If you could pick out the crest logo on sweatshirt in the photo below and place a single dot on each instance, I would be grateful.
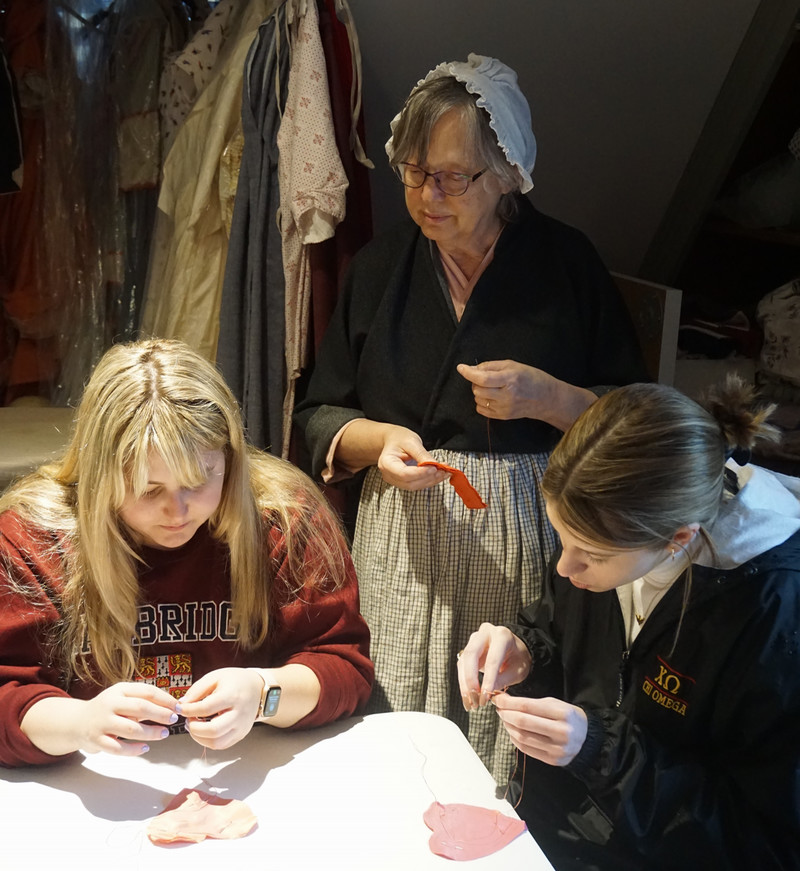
(668, 688)
(170, 672)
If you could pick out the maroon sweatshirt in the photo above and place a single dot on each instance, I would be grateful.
(184, 627)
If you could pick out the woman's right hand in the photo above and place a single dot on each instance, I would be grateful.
(394, 449)
(500, 655)
(121, 720)
(402, 450)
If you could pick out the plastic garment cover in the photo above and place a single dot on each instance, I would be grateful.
(27, 328)
(82, 249)
(74, 241)
(137, 37)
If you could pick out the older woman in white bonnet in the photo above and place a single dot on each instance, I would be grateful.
(471, 335)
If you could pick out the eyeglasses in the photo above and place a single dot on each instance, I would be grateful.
(454, 184)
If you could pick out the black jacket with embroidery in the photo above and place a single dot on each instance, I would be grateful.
(692, 758)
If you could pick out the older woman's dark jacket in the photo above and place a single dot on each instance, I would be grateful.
(692, 759)
(391, 350)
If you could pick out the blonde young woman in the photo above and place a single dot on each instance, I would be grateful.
(655, 689)
(162, 526)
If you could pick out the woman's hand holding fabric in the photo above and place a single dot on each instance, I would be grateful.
(546, 729)
(121, 720)
(221, 707)
(395, 450)
(502, 658)
(507, 390)
(402, 450)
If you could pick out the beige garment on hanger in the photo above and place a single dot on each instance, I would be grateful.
(190, 244)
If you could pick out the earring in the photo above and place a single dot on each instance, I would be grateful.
(672, 553)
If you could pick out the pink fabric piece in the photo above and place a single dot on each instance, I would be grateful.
(463, 831)
(192, 816)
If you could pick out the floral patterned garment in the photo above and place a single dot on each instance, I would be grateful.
(313, 183)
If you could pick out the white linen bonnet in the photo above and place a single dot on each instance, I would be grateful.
(508, 110)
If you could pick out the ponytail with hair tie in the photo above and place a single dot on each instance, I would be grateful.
(740, 456)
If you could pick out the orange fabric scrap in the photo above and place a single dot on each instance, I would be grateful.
(192, 816)
(469, 495)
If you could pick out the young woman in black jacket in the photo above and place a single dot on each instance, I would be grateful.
(653, 694)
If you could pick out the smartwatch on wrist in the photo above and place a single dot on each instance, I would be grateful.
(268, 703)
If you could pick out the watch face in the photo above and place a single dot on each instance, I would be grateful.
(271, 703)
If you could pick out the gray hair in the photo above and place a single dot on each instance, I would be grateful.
(426, 106)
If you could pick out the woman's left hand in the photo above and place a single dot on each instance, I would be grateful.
(221, 707)
(546, 729)
(507, 390)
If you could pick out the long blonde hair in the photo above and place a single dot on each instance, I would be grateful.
(159, 395)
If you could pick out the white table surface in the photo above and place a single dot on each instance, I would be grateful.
(348, 796)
